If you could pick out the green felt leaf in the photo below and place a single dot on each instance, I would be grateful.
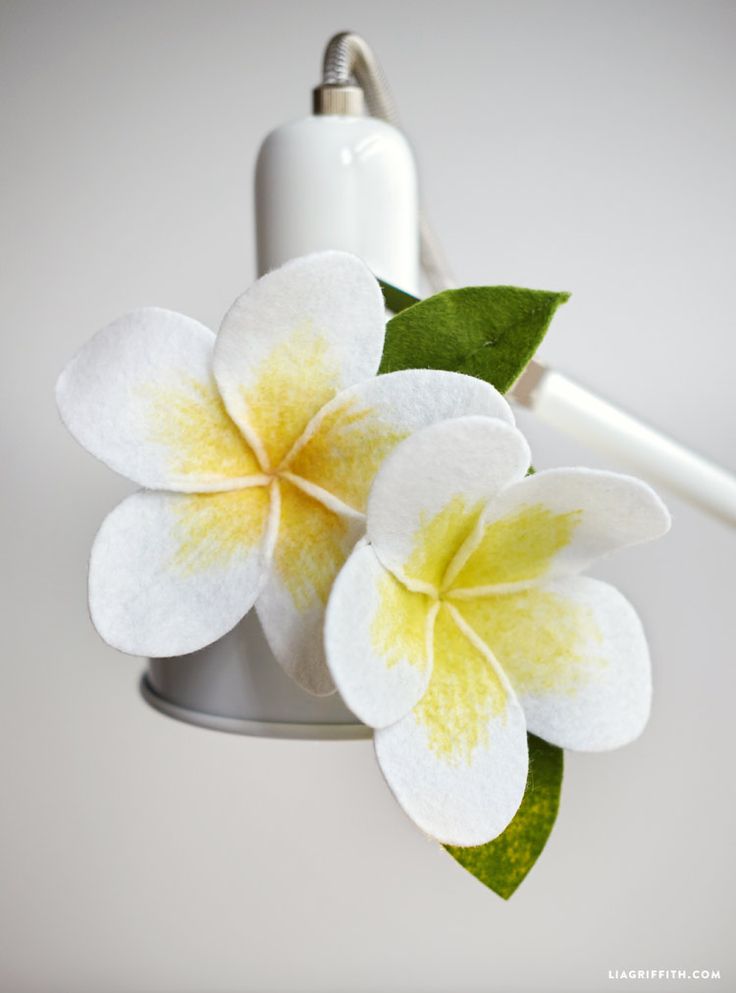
(396, 300)
(486, 331)
(503, 863)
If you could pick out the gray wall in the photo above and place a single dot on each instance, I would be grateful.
(581, 146)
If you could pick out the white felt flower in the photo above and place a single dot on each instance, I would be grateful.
(256, 450)
(460, 622)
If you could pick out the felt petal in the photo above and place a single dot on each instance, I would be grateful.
(292, 341)
(170, 573)
(556, 523)
(576, 655)
(378, 640)
(312, 545)
(429, 493)
(457, 763)
(141, 396)
(347, 441)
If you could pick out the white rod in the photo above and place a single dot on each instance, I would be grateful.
(571, 408)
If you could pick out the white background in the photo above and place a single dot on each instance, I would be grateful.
(581, 146)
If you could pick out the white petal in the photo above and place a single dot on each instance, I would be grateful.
(458, 762)
(344, 445)
(313, 543)
(378, 640)
(575, 653)
(556, 523)
(431, 490)
(171, 573)
(292, 341)
(141, 396)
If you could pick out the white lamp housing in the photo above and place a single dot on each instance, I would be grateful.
(332, 181)
(346, 181)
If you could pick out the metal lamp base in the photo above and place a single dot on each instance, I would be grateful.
(236, 685)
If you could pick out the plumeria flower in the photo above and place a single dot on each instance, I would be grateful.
(461, 621)
(256, 451)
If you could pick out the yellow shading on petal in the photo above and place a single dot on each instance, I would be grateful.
(295, 381)
(463, 697)
(191, 421)
(438, 539)
(346, 451)
(399, 628)
(518, 547)
(544, 642)
(312, 545)
(214, 528)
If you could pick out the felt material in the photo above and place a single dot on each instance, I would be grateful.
(292, 341)
(430, 491)
(487, 331)
(395, 299)
(334, 463)
(141, 397)
(457, 764)
(566, 658)
(348, 439)
(170, 573)
(575, 653)
(306, 442)
(378, 639)
(313, 543)
(503, 864)
(556, 522)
